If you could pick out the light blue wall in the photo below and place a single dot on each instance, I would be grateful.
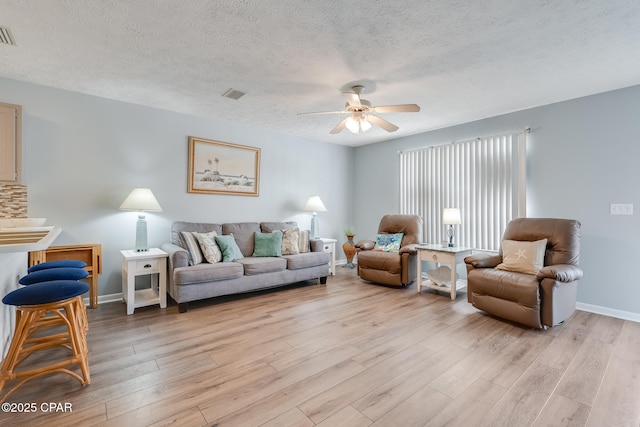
(582, 156)
(84, 154)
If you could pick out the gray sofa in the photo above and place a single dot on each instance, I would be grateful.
(194, 282)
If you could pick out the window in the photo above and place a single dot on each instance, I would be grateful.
(484, 178)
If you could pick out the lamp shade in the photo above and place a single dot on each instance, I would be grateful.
(141, 199)
(451, 216)
(314, 204)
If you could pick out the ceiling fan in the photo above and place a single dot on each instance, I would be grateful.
(361, 113)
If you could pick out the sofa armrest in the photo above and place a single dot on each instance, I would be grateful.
(483, 260)
(316, 245)
(178, 257)
(409, 249)
(565, 273)
(365, 245)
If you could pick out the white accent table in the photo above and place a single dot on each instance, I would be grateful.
(152, 262)
(442, 255)
(329, 245)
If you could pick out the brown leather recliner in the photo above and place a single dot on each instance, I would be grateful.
(392, 268)
(544, 299)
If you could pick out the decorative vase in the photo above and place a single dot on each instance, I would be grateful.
(349, 250)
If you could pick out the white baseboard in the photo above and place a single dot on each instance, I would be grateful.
(102, 299)
(611, 312)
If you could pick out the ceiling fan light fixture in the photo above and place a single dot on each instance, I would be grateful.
(352, 125)
(365, 124)
(362, 115)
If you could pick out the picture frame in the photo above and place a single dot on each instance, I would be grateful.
(217, 167)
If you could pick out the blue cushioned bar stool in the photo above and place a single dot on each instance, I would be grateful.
(63, 263)
(62, 273)
(34, 304)
(59, 273)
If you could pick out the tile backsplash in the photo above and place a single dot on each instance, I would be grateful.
(13, 201)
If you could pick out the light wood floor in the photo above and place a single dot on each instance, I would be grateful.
(345, 354)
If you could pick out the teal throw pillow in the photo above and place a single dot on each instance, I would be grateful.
(228, 247)
(268, 244)
(388, 242)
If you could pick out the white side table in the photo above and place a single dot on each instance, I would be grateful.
(329, 245)
(442, 255)
(152, 262)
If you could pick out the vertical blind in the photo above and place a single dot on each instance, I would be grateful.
(484, 178)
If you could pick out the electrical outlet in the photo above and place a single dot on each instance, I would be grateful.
(621, 209)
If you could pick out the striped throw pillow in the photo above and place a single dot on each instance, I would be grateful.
(303, 243)
(191, 244)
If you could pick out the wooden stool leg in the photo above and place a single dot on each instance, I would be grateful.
(72, 314)
(78, 328)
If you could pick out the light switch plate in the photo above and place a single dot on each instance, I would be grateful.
(621, 209)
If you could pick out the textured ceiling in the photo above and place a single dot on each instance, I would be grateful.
(459, 60)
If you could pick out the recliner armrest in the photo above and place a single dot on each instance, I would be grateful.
(565, 273)
(483, 260)
(409, 249)
(365, 245)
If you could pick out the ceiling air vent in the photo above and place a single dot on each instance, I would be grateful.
(6, 37)
(233, 94)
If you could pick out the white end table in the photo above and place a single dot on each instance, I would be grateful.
(152, 262)
(442, 255)
(329, 245)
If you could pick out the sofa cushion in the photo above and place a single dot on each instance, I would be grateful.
(207, 273)
(260, 265)
(305, 260)
(229, 248)
(290, 241)
(268, 244)
(243, 232)
(268, 227)
(209, 247)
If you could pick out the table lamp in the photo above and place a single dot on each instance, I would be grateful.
(315, 205)
(451, 217)
(142, 200)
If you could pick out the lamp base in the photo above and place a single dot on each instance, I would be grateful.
(141, 234)
(315, 233)
(451, 233)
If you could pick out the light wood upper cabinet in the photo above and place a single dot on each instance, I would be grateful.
(10, 143)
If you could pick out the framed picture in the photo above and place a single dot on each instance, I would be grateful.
(217, 167)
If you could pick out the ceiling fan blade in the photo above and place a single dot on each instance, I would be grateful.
(340, 126)
(352, 98)
(400, 108)
(324, 112)
(388, 126)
